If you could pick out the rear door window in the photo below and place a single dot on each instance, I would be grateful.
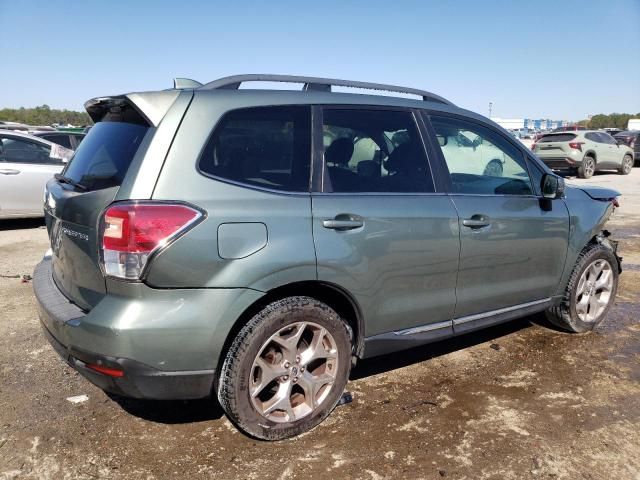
(60, 139)
(606, 138)
(373, 151)
(268, 147)
(18, 150)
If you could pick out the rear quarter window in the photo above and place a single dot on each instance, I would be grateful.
(563, 137)
(268, 147)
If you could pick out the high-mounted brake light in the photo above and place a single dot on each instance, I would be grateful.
(576, 145)
(131, 232)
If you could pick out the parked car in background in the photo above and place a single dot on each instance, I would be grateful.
(14, 126)
(569, 128)
(26, 164)
(631, 138)
(633, 124)
(40, 128)
(584, 152)
(200, 246)
(612, 131)
(70, 140)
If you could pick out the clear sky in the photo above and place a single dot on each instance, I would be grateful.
(559, 59)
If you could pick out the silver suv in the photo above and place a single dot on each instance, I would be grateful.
(584, 152)
(251, 245)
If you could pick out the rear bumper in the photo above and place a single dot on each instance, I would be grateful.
(139, 380)
(560, 163)
(137, 335)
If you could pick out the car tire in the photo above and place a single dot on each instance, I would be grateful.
(270, 385)
(587, 298)
(627, 165)
(587, 168)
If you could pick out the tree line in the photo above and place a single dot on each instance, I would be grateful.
(44, 115)
(613, 120)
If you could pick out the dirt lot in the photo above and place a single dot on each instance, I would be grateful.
(517, 401)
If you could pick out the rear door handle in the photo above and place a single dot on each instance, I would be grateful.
(476, 222)
(343, 222)
(9, 171)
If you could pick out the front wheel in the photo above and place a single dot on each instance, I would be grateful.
(590, 292)
(286, 369)
(588, 167)
(627, 165)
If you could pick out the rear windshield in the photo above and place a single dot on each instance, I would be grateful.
(104, 156)
(561, 137)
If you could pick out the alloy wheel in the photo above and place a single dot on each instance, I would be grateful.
(588, 166)
(294, 372)
(594, 289)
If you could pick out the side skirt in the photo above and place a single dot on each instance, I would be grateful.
(413, 337)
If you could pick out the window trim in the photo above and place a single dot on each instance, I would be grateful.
(250, 185)
(320, 169)
(526, 157)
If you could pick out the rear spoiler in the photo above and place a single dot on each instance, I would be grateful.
(153, 106)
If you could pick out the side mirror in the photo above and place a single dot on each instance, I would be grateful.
(552, 186)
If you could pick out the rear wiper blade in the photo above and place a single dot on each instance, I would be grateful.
(73, 183)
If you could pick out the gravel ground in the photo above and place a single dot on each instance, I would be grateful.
(521, 400)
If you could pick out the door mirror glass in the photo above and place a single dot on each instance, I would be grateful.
(552, 186)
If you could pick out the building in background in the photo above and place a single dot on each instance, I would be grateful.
(529, 123)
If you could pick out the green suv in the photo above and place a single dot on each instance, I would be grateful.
(584, 152)
(251, 245)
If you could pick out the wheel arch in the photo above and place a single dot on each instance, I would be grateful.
(592, 154)
(331, 294)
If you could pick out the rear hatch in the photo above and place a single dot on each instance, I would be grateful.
(75, 199)
(554, 144)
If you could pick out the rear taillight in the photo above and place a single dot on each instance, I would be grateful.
(132, 232)
(110, 372)
(576, 145)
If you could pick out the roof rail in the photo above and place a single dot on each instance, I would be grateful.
(318, 84)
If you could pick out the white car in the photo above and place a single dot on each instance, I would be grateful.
(26, 164)
(467, 152)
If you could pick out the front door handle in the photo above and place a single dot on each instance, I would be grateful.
(343, 222)
(9, 171)
(476, 221)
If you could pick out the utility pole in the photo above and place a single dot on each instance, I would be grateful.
(490, 107)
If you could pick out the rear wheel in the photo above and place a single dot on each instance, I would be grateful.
(627, 165)
(588, 167)
(590, 292)
(286, 370)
